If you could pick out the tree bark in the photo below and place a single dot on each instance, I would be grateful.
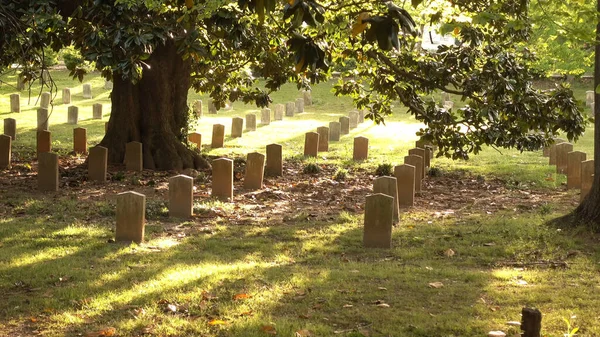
(154, 112)
(589, 210)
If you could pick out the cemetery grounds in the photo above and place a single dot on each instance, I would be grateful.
(288, 260)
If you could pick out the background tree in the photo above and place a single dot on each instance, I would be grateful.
(154, 51)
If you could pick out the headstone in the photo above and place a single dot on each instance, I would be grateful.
(251, 122)
(10, 128)
(424, 155)
(21, 82)
(353, 119)
(307, 97)
(255, 171)
(323, 132)
(181, 196)
(87, 91)
(361, 148)
(44, 142)
(574, 160)
(405, 176)
(423, 144)
(196, 138)
(218, 136)
(311, 144)
(5, 149)
(97, 111)
(237, 127)
(15, 103)
(417, 162)
(448, 105)
(47, 172)
(274, 160)
(133, 157)
(335, 128)
(45, 100)
(552, 154)
(300, 105)
(587, 177)
(265, 116)
(108, 85)
(42, 119)
(562, 151)
(278, 113)
(212, 109)
(379, 213)
(547, 149)
(361, 116)
(222, 178)
(45, 76)
(97, 163)
(198, 108)
(389, 187)
(345, 125)
(73, 115)
(80, 140)
(131, 217)
(66, 96)
(590, 95)
(290, 109)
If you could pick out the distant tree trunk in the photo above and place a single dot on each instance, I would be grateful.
(154, 112)
(589, 210)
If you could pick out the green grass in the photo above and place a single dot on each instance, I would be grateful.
(302, 267)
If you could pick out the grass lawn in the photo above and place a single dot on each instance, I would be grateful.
(288, 260)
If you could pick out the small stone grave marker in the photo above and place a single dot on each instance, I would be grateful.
(389, 187)
(212, 109)
(424, 155)
(265, 116)
(300, 105)
(196, 138)
(255, 170)
(131, 217)
(274, 166)
(335, 129)
(361, 116)
(353, 119)
(405, 176)
(552, 154)
(311, 144)
(361, 148)
(218, 136)
(237, 127)
(307, 97)
(562, 151)
(44, 141)
(587, 178)
(87, 91)
(80, 140)
(290, 109)
(5, 151)
(345, 125)
(222, 179)
(198, 108)
(97, 111)
(47, 172)
(278, 113)
(73, 115)
(66, 96)
(45, 100)
(133, 157)
(42, 119)
(15, 103)
(108, 85)
(417, 162)
(181, 196)
(251, 122)
(10, 128)
(379, 213)
(97, 163)
(590, 96)
(323, 132)
(574, 160)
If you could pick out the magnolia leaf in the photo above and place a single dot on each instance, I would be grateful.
(598, 89)
(359, 26)
(217, 322)
(189, 4)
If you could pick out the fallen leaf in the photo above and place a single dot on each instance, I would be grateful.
(247, 313)
(383, 305)
(269, 329)
(347, 306)
(496, 334)
(381, 288)
(241, 296)
(33, 319)
(449, 253)
(514, 323)
(217, 322)
(436, 285)
(172, 307)
(107, 332)
(303, 333)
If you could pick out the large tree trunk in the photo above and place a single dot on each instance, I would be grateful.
(589, 210)
(154, 112)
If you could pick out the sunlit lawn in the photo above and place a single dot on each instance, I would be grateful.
(60, 276)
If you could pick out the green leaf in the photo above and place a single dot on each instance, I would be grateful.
(598, 89)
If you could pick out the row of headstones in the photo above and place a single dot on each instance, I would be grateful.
(45, 98)
(315, 142)
(43, 115)
(390, 194)
(579, 171)
(290, 108)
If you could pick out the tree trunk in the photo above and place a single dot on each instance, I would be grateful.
(154, 112)
(589, 210)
